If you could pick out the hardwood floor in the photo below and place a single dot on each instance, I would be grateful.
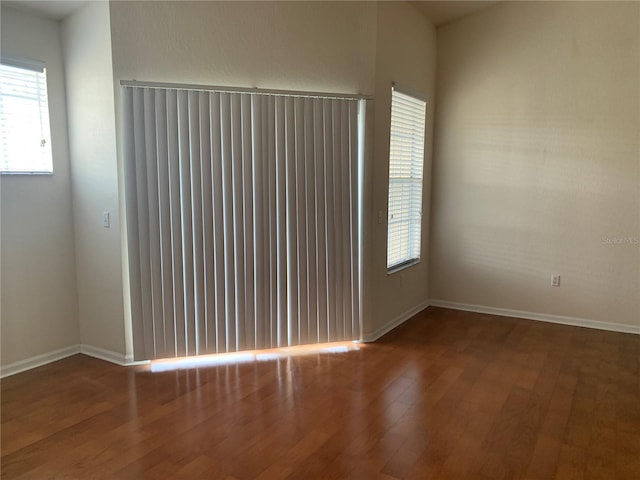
(449, 394)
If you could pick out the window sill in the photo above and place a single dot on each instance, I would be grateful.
(402, 266)
(38, 174)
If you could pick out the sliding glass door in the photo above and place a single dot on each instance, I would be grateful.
(242, 219)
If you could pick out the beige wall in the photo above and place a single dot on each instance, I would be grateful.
(537, 160)
(406, 54)
(319, 46)
(38, 299)
(89, 76)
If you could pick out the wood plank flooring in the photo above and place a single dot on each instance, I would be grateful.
(448, 395)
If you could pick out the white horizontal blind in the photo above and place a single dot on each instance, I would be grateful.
(406, 158)
(242, 219)
(25, 138)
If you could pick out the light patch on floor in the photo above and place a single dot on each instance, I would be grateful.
(200, 361)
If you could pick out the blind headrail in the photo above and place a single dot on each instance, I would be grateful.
(263, 91)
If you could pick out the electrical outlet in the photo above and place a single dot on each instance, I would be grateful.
(555, 280)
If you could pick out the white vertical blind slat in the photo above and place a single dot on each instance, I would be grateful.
(197, 333)
(186, 325)
(342, 144)
(331, 217)
(247, 190)
(259, 240)
(167, 343)
(272, 213)
(302, 284)
(218, 225)
(153, 217)
(310, 213)
(146, 294)
(133, 236)
(207, 327)
(240, 218)
(291, 224)
(353, 200)
(339, 228)
(320, 229)
(281, 323)
(268, 281)
(176, 222)
(228, 285)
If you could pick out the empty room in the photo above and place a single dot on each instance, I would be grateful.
(320, 240)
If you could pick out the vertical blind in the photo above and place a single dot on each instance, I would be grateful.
(25, 138)
(406, 158)
(242, 220)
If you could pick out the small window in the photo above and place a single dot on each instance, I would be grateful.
(406, 158)
(25, 136)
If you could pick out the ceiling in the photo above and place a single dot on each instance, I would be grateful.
(443, 12)
(439, 13)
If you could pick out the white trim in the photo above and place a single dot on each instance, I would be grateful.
(542, 317)
(400, 319)
(110, 356)
(54, 356)
(103, 354)
(38, 361)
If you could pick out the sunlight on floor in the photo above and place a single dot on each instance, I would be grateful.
(199, 361)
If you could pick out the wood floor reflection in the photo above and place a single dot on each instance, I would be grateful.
(448, 394)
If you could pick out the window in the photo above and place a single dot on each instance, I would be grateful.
(406, 158)
(25, 138)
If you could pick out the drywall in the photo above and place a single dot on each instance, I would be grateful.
(86, 38)
(537, 160)
(317, 46)
(406, 54)
(38, 298)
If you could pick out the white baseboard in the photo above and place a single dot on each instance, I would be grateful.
(45, 358)
(38, 361)
(400, 319)
(543, 317)
(107, 355)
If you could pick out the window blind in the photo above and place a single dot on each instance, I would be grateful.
(25, 138)
(242, 220)
(406, 158)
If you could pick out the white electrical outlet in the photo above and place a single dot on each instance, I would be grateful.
(555, 280)
(106, 221)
